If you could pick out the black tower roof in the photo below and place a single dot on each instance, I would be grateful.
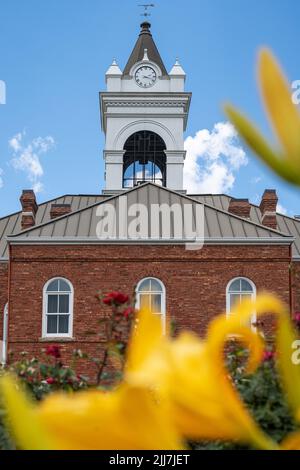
(145, 41)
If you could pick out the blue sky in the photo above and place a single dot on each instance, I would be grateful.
(53, 58)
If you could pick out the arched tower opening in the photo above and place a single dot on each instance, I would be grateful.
(144, 159)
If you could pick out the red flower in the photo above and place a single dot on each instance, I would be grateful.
(50, 381)
(53, 351)
(297, 317)
(128, 312)
(268, 356)
(115, 298)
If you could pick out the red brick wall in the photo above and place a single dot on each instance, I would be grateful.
(3, 292)
(195, 283)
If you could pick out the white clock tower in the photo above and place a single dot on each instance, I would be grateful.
(144, 115)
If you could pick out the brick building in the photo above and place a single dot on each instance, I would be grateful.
(196, 254)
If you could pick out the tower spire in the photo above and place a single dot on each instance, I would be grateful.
(145, 41)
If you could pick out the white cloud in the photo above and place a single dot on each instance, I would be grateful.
(212, 159)
(26, 157)
(38, 187)
(281, 209)
(256, 199)
(1, 179)
(256, 179)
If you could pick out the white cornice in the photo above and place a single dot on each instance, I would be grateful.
(169, 241)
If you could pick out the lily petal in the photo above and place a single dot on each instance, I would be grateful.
(147, 335)
(128, 418)
(290, 372)
(292, 442)
(283, 114)
(206, 404)
(219, 332)
(23, 422)
(92, 420)
(260, 146)
(146, 358)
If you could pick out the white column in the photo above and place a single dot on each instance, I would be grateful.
(113, 169)
(175, 162)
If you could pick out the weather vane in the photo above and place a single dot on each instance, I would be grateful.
(147, 7)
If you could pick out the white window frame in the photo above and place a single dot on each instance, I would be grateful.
(162, 314)
(228, 310)
(45, 309)
(5, 334)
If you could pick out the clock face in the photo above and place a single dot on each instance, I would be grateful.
(145, 76)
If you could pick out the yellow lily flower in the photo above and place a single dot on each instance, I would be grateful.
(191, 374)
(289, 370)
(283, 116)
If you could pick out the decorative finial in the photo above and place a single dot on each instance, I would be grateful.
(146, 58)
(147, 6)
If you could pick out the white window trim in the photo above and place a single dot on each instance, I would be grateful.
(45, 310)
(5, 334)
(228, 312)
(163, 299)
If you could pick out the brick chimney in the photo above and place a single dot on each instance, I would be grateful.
(58, 210)
(29, 209)
(240, 207)
(268, 207)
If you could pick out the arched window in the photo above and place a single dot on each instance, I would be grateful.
(58, 308)
(151, 293)
(144, 159)
(240, 289)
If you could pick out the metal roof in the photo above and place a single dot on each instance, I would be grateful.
(86, 224)
(145, 41)
(11, 224)
(285, 223)
(219, 224)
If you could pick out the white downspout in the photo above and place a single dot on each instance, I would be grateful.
(5, 332)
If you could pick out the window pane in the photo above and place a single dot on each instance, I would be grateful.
(52, 324)
(145, 286)
(246, 286)
(144, 301)
(64, 286)
(63, 324)
(53, 286)
(155, 286)
(156, 303)
(235, 286)
(52, 304)
(64, 303)
(235, 300)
